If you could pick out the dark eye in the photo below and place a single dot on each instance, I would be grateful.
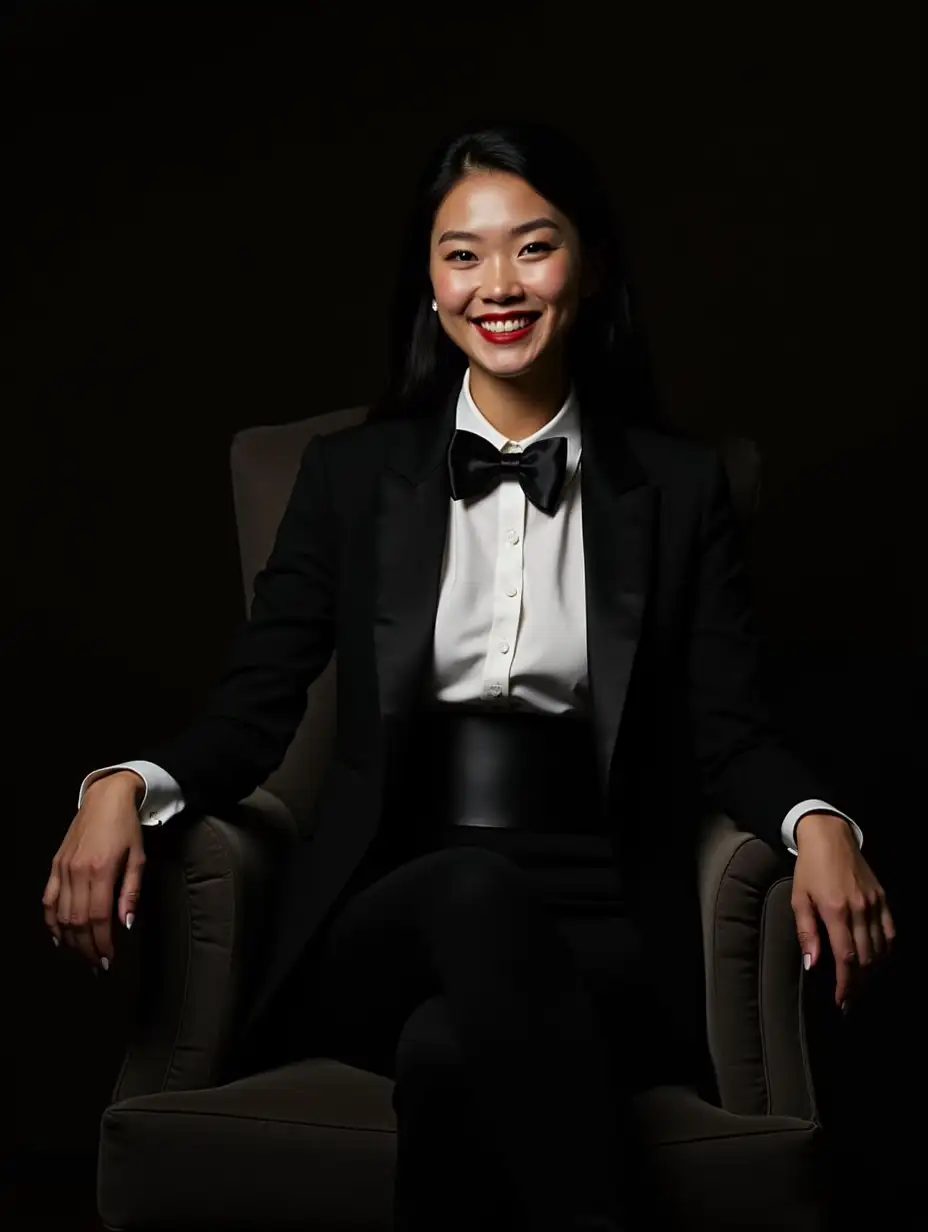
(543, 245)
(458, 252)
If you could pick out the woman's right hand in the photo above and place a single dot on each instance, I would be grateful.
(102, 845)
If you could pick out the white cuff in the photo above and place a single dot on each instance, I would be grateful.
(791, 820)
(163, 796)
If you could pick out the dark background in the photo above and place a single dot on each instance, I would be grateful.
(208, 202)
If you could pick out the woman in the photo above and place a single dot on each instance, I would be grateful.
(545, 658)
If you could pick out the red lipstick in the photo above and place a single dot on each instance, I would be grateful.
(501, 337)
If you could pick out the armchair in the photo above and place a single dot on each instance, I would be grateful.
(313, 1143)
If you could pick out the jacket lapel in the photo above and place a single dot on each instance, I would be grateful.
(411, 525)
(619, 527)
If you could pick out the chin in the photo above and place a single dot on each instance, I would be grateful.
(506, 370)
(539, 361)
(517, 371)
(504, 362)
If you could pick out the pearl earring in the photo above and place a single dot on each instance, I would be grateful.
(434, 305)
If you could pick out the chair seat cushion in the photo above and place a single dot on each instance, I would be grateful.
(313, 1144)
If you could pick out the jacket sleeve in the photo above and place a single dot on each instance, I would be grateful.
(745, 769)
(252, 713)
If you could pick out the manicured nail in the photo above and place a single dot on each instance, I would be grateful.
(56, 941)
(130, 920)
(807, 961)
(105, 964)
(844, 1007)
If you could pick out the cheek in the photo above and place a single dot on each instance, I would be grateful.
(451, 292)
(553, 284)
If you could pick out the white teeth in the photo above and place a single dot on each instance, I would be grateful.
(506, 327)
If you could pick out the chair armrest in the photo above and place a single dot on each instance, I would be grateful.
(202, 925)
(754, 985)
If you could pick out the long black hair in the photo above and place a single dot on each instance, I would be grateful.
(606, 356)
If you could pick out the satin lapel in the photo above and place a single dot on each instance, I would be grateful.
(619, 526)
(411, 526)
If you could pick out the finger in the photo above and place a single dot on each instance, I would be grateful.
(80, 917)
(887, 925)
(131, 885)
(875, 928)
(100, 915)
(842, 946)
(64, 905)
(860, 927)
(806, 930)
(50, 903)
(83, 940)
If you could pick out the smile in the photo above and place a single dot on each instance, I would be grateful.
(508, 329)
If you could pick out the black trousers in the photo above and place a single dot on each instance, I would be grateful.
(514, 1034)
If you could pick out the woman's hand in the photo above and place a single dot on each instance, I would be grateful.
(834, 881)
(103, 842)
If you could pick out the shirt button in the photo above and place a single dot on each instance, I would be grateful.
(512, 536)
(494, 690)
(511, 591)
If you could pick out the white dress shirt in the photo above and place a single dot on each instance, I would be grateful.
(510, 628)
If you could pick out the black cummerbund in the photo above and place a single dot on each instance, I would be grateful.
(517, 771)
(520, 783)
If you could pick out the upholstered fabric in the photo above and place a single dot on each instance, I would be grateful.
(313, 1145)
(264, 463)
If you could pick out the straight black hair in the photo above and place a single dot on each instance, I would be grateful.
(606, 356)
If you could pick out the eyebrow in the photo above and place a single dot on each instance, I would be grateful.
(522, 229)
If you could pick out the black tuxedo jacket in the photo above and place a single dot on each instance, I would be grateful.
(673, 656)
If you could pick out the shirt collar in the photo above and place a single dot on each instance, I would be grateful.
(565, 423)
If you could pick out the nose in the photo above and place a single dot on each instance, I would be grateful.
(500, 285)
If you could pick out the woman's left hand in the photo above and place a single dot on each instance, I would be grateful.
(833, 880)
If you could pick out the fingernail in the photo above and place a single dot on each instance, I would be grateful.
(806, 961)
(844, 1007)
(56, 942)
(130, 920)
(105, 964)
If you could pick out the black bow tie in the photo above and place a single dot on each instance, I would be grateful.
(476, 466)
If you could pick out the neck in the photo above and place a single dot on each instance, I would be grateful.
(519, 406)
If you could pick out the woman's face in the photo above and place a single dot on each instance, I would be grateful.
(506, 273)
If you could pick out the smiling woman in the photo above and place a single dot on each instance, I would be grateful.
(547, 667)
(510, 299)
(512, 268)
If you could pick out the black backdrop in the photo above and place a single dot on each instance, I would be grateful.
(207, 208)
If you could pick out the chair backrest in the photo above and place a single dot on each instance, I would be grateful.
(264, 462)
